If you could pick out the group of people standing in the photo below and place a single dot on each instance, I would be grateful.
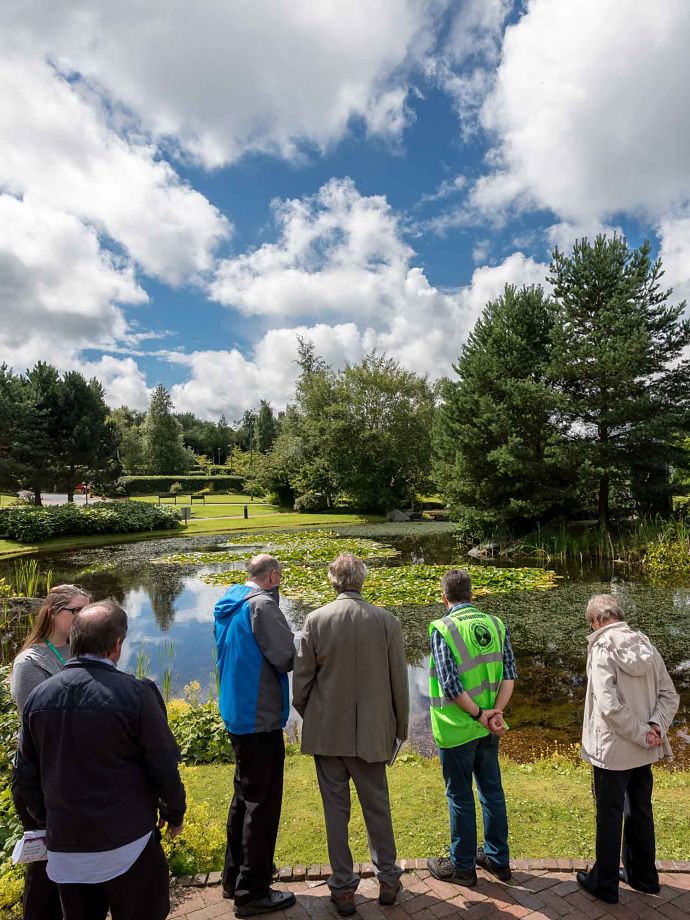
(97, 765)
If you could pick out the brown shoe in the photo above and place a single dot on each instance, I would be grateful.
(344, 902)
(388, 893)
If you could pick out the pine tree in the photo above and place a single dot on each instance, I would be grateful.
(617, 364)
(164, 450)
(496, 446)
(87, 439)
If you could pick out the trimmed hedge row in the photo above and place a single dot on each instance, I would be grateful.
(32, 525)
(147, 485)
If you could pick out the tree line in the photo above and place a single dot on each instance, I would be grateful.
(566, 401)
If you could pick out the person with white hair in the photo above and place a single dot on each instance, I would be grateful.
(350, 687)
(629, 705)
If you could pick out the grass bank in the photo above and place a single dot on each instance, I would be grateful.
(550, 807)
(272, 520)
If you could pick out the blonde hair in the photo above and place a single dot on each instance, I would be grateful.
(57, 598)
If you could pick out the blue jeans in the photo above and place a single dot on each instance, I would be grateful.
(478, 758)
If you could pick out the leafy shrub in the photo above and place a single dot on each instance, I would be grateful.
(175, 488)
(199, 732)
(201, 845)
(11, 879)
(32, 525)
(148, 485)
(310, 502)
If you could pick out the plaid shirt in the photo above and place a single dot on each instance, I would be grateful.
(447, 668)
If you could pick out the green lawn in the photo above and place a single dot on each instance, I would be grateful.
(269, 519)
(550, 809)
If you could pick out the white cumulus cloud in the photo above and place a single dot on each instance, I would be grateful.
(588, 111)
(222, 79)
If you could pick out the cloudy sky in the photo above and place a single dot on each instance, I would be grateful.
(186, 187)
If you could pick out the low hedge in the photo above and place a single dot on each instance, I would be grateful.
(148, 485)
(28, 524)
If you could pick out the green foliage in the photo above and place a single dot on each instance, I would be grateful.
(176, 488)
(362, 432)
(199, 732)
(265, 428)
(316, 546)
(127, 424)
(147, 485)
(310, 502)
(618, 368)
(496, 454)
(162, 442)
(10, 826)
(29, 581)
(33, 525)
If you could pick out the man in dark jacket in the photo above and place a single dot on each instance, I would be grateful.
(255, 651)
(97, 767)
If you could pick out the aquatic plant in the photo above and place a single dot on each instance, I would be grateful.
(290, 547)
(28, 581)
(403, 585)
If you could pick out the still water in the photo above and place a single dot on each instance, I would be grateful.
(171, 625)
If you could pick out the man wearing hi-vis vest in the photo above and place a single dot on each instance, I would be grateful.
(471, 676)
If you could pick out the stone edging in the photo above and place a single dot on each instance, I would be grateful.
(366, 870)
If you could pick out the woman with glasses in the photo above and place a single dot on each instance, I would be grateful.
(45, 653)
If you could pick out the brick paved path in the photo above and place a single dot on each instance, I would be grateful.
(537, 894)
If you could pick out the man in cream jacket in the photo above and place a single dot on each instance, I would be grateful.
(629, 706)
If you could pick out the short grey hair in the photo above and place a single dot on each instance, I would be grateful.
(347, 573)
(262, 565)
(457, 585)
(604, 607)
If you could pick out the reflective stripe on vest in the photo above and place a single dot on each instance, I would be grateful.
(481, 673)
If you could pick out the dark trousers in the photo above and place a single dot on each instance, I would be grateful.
(478, 759)
(41, 899)
(254, 814)
(140, 893)
(624, 813)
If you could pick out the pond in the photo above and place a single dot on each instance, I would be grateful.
(170, 607)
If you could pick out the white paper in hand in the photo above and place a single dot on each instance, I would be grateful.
(31, 848)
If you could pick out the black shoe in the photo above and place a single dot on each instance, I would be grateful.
(229, 887)
(274, 900)
(444, 870)
(344, 902)
(583, 882)
(645, 889)
(388, 893)
(502, 873)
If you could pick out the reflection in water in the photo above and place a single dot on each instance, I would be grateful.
(171, 604)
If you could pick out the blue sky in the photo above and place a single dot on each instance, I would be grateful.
(186, 189)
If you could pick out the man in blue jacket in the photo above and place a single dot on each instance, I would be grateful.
(255, 651)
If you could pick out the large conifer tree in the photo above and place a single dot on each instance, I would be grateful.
(617, 365)
(496, 443)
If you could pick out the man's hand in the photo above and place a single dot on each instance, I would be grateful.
(496, 724)
(172, 831)
(654, 738)
(485, 717)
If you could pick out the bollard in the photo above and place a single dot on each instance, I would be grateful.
(246, 512)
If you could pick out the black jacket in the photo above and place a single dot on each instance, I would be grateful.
(97, 761)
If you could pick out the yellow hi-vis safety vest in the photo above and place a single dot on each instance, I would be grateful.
(476, 640)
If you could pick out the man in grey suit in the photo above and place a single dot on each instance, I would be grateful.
(350, 687)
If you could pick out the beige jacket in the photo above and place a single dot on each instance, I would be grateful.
(627, 688)
(350, 680)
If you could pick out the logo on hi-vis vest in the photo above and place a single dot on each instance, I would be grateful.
(482, 636)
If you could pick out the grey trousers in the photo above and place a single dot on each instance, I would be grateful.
(370, 781)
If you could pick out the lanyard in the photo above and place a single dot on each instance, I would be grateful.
(55, 652)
